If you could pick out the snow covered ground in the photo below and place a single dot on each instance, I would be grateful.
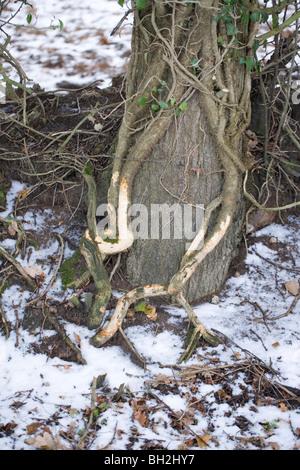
(39, 395)
(83, 51)
(35, 388)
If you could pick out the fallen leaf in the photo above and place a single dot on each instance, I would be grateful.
(140, 412)
(77, 339)
(203, 441)
(292, 287)
(12, 228)
(283, 407)
(34, 271)
(46, 442)
(274, 445)
(33, 427)
(275, 345)
(24, 193)
(151, 313)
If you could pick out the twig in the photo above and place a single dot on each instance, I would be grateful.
(54, 275)
(4, 322)
(60, 330)
(254, 332)
(121, 21)
(277, 265)
(289, 310)
(264, 312)
(18, 267)
(91, 417)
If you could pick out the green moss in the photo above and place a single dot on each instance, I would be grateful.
(88, 169)
(33, 242)
(4, 286)
(3, 189)
(69, 269)
(2, 200)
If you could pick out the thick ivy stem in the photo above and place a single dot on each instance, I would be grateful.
(93, 259)
(121, 310)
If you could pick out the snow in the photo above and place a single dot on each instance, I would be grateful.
(45, 386)
(82, 52)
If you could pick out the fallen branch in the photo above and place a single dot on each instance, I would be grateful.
(18, 267)
(60, 330)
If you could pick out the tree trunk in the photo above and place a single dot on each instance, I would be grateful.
(186, 165)
(180, 143)
(183, 169)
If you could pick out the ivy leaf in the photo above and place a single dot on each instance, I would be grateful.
(142, 101)
(61, 25)
(141, 4)
(155, 107)
(255, 45)
(183, 106)
(255, 16)
(163, 104)
(29, 18)
(194, 63)
(121, 2)
(274, 20)
(264, 17)
(231, 29)
(245, 17)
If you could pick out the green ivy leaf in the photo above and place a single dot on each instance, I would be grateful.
(29, 18)
(255, 45)
(121, 2)
(142, 101)
(61, 25)
(264, 16)
(183, 106)
(255, 15)
(231, 29)
(245, 17)
(163, 104)
(155, 107)
(141, 4)
(194, 63)
(274, 20)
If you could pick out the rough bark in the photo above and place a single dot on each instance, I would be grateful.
(184, 168)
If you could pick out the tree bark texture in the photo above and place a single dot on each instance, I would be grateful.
(186, 165)
(184, 168)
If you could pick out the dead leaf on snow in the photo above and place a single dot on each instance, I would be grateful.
(274, 445)
(140, 412)
(77, 339)
(46, 442)
(33, 427)
(34, 271)
(283, 407)
(12, 228)
(292, 287)
(203, 441)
